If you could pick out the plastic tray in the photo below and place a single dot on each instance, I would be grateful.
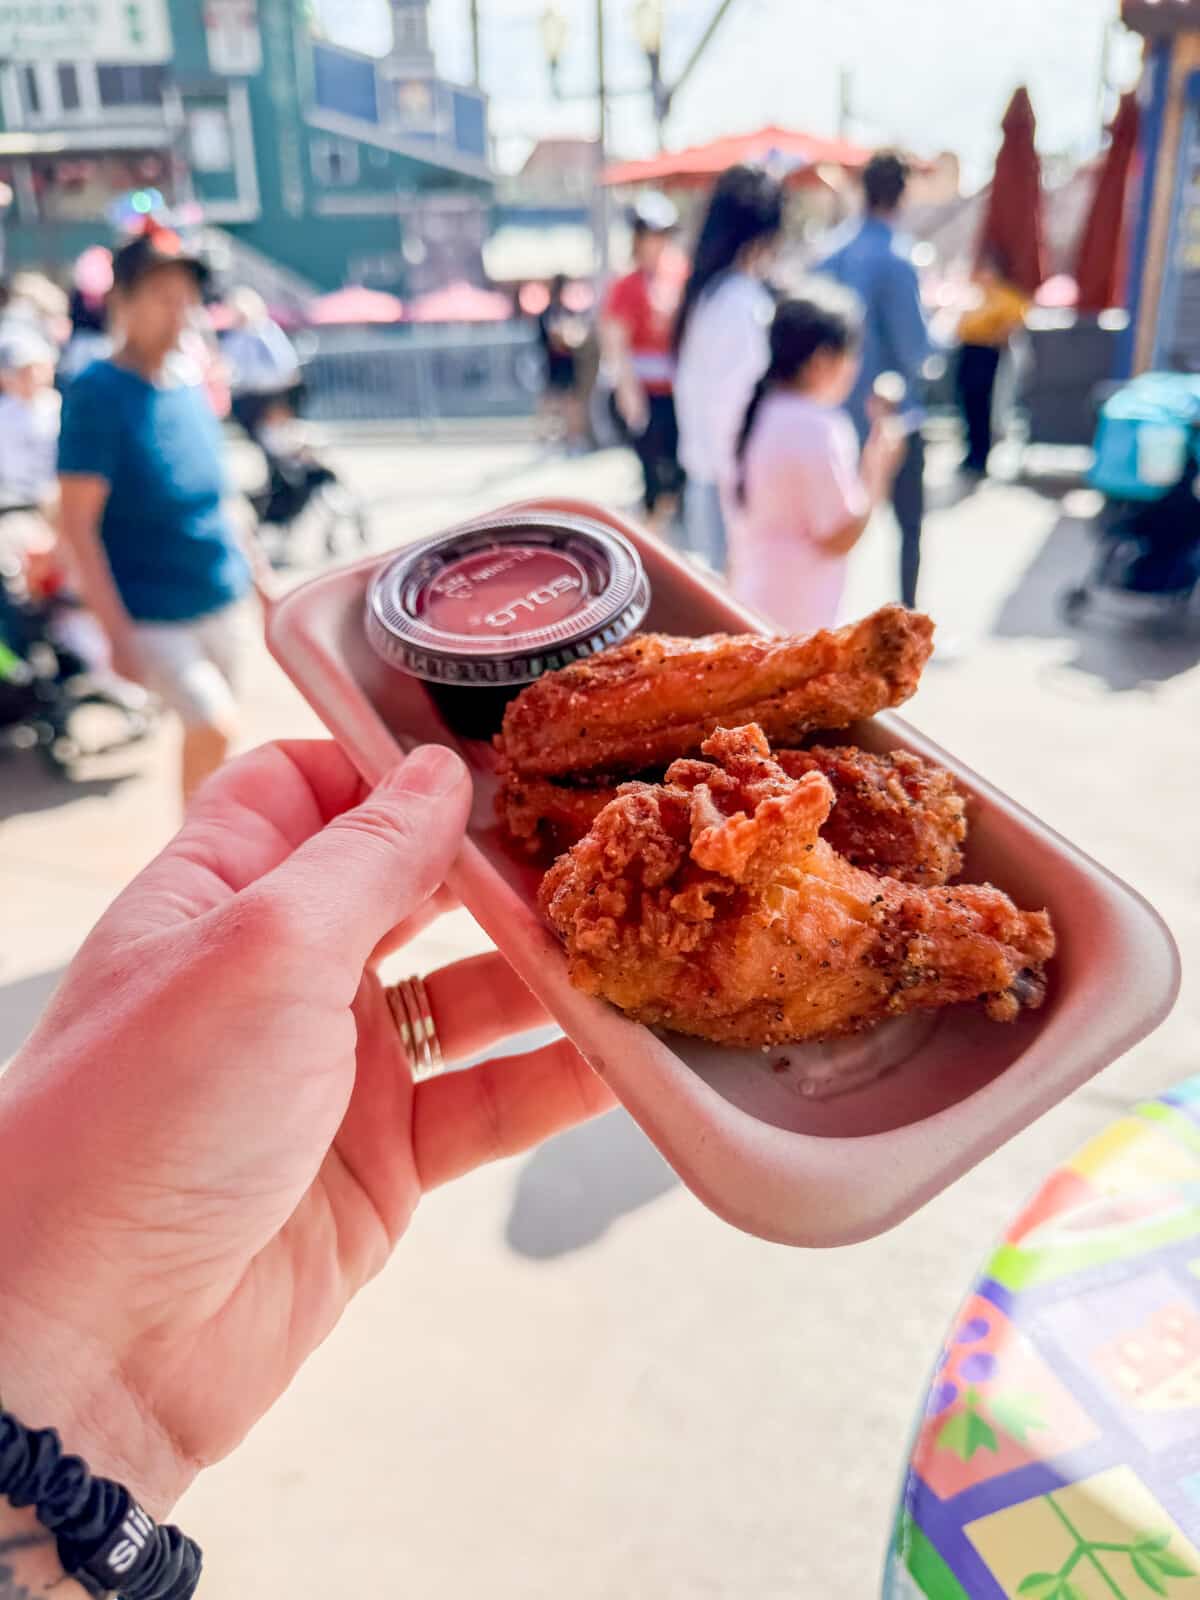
(737, 1126)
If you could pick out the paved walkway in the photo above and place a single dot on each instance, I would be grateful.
(573, 1381)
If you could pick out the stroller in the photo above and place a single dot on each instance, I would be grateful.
(1147, 465)
(297, 478)
(45, 680)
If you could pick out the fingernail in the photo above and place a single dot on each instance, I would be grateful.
(431, 770)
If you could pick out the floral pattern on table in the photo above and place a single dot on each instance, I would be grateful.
(1058, 1453)
(1102, 1538)
(994, 1406)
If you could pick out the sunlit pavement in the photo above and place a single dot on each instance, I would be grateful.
(572, 1381)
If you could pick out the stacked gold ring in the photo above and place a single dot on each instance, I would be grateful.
(413, 1016)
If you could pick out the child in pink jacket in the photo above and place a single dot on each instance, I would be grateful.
(804, 495)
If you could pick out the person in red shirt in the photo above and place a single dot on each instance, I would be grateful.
(635, 331)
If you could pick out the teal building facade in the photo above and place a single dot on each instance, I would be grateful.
(333, 165)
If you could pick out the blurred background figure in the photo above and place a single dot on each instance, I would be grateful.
(635, 333)
(89, 338)
(37, 304)
(29, 422)
(264, 370)
(562, 334)
(721, 344)
(871, 260)
(985, 329)
(142, 504)
(803, 497)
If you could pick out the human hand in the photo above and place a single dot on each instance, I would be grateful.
(633, 407)
(883, 455)
(124, 656)
(213, 1139)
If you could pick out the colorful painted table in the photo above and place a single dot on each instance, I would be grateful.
(1058, 1456)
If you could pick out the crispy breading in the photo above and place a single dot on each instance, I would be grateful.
(655, 698)
(711, 904)
(895, 815)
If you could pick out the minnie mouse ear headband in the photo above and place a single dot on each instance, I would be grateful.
(154, 248)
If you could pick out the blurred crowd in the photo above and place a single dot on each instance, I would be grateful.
(123, 568)
(771, 412)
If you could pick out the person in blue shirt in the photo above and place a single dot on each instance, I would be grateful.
(873, 263)
(142, 486)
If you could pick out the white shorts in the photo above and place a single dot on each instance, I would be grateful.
(193, 666)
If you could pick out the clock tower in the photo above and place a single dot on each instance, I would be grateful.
(410, 36)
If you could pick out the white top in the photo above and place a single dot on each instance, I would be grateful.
(725, 352)
(262, 358)
(28, 448)
(802, 487)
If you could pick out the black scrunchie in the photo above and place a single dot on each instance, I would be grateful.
(105, 1540)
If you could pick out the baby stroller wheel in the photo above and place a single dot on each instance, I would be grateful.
(1073, 605)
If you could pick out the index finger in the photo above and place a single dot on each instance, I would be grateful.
(245, 821)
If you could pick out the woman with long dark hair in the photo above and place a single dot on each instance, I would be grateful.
(803, 497)
(721, 343)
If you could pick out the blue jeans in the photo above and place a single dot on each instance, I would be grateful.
(704, 524)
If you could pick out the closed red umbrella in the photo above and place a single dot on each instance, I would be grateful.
(1012, 224)
(1100, 263)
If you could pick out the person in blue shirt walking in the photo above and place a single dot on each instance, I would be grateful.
(142, 486)
(873, 263)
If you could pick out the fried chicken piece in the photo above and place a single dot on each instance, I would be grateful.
(654, 698)
(546, 817)
(895, 815)
(711, 905)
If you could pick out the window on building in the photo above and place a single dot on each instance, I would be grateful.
(334, 162)
(130, 86)
(210, 139)
(31, 91)
(68, 87)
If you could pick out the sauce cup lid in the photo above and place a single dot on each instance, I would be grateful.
(506, 598)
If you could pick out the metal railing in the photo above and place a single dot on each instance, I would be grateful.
(422, 375)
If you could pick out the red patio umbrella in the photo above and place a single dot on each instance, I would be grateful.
(353, 306)
(1100, 262)
(460, 302)
(699, 164)
(1012, 223)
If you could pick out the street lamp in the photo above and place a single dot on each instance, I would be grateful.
(648, 21)
(554, 40)
(555, 30)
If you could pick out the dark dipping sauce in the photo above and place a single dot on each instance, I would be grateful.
(480, 612)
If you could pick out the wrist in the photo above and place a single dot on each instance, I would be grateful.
(51, 1376)
(876, 484)
(29, 1563)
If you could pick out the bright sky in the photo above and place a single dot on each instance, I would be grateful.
(931, 74)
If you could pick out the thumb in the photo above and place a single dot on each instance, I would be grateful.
(373, 866)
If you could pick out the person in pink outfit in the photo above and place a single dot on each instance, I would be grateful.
(804, 495)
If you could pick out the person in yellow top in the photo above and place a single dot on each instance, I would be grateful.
(997, 310)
